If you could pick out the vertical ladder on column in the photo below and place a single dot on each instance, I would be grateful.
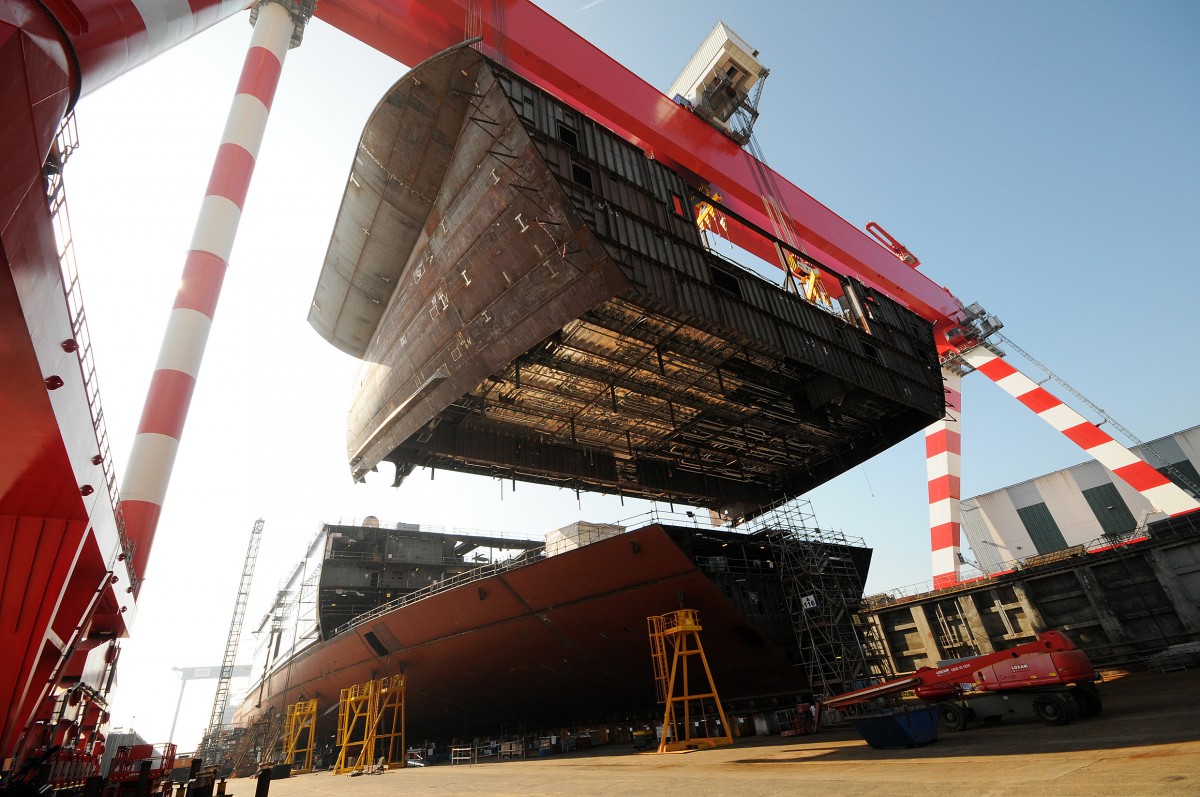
(658, 656)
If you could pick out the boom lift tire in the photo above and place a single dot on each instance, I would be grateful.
(951, 716)
(1053, 709)
(1087, 700)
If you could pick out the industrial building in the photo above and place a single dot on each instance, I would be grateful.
(1073, 550)
(1083, 505)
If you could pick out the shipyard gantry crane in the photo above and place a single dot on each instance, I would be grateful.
(83, 547)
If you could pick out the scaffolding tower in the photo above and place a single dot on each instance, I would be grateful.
(209, 747)
(258, 744)
(823, 590)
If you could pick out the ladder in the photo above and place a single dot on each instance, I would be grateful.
(221, 702)
(658, 656)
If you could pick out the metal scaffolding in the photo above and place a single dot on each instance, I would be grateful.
(823, 589)
(257, 744)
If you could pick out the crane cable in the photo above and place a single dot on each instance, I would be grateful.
(797, 270)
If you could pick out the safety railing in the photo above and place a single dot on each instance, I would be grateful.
(451, 582)
(971, 574)
(654, 516)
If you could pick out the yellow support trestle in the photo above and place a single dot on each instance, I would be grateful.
(371, 725)
(299, 738)
(687, 714)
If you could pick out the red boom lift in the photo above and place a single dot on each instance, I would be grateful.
(1049, 678)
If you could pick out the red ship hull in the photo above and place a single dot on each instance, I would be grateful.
(563, 638)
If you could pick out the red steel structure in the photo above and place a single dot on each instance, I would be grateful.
(529, 41)
(68, 584)
(70, 568)
(943, 466)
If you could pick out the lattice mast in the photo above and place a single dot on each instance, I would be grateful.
(823, 590)
(221, 701)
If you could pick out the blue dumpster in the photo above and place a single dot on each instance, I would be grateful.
(899, 729)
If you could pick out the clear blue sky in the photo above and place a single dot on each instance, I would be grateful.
(1039, 158)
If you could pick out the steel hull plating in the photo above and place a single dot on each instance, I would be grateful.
(533, 299)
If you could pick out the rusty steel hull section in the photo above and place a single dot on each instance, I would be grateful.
(558, 640)
(533, 300)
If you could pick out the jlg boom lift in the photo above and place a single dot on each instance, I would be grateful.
(1048, 678)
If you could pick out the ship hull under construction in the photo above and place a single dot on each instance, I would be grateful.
(533, 299)
(561, 639)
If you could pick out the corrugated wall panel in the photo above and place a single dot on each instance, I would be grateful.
(1188, 441)
(636, 224)
(1002, 520)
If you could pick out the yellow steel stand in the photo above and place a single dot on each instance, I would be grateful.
(680, 630)
(356, 714)
(389, 719)
(301, 717)
(371, 715)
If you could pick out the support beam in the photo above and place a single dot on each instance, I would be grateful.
(278, 25)
(943, 467)
(1033, 617)
(979, 633)
(1173, 586)
(1162, 494)
(933, 651)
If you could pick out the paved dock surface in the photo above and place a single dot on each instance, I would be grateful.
(1146, 742)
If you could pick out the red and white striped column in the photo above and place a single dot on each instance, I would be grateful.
(165, 411)
(943, 467)
(1162, 494)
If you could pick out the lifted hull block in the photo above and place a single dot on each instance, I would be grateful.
(533, 300)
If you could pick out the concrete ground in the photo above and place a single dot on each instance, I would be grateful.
(1146, 742)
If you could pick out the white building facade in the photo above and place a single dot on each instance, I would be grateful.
(1080, 505)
